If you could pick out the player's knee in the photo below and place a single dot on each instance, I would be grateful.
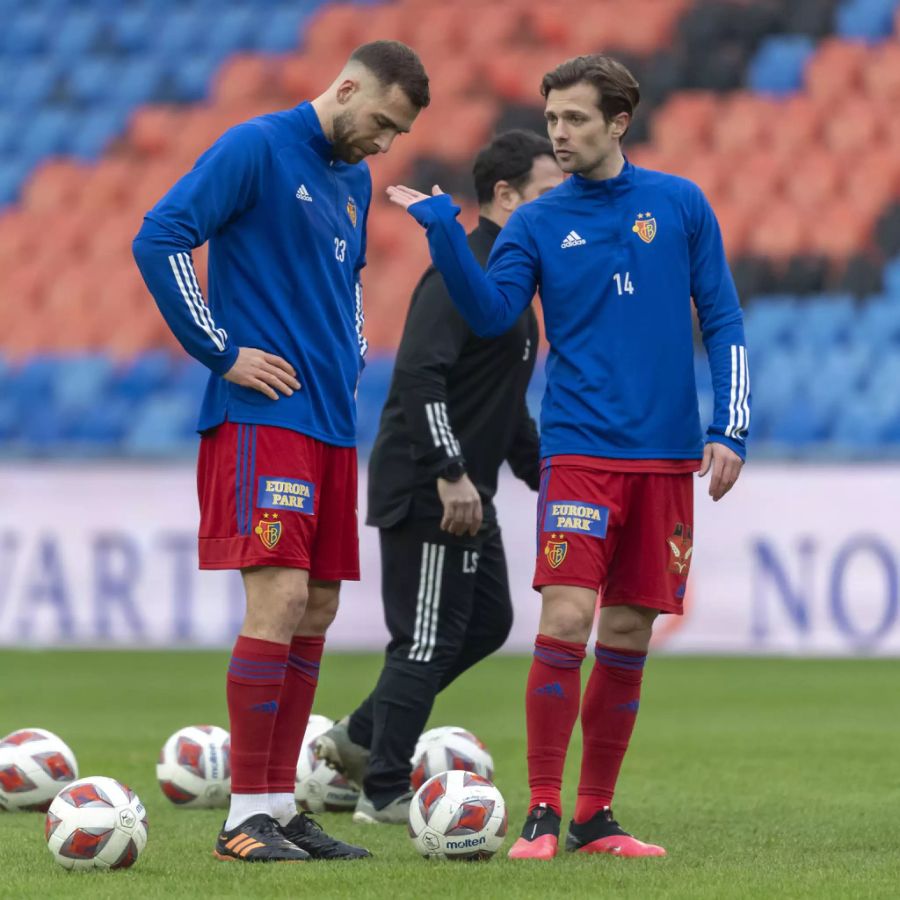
(321, 607)
(624, 625)
(568, 618)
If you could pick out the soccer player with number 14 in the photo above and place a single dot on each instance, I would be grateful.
(617, 253)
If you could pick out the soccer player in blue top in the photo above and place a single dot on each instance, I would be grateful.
(617, 253)
(283, 201)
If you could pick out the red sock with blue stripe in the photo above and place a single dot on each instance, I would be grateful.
(551, 708)
(297, 697)
(608, 714)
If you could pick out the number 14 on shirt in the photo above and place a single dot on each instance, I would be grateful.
(623, 283)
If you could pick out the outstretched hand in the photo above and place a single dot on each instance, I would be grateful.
(405, 197)
(725, 466)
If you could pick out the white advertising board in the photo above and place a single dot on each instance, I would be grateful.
(797, 560)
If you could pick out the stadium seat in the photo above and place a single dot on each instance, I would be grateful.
(777, 68)
(866, 19)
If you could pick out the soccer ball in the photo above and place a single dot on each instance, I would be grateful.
(34, 765)
(194, 767)
(96, 823)
(449, 748)
(318, 787)
(457, 815)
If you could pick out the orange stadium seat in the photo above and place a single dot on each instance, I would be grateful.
(813, 181)
(793, 124)
(835, 69)
(338, 28)
(839, 229)
(54, 184)
(857, 125)
(740, 123)
(241, 78)
(685, 122)
(778, 231)
(751, 178)
(881, 73)
(152, 129)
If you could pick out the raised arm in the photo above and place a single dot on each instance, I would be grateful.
(489, 303)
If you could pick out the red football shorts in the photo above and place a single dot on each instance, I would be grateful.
(274, 497)
(626, 534)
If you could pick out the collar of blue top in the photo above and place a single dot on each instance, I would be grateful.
(317, 139)
(607, 187)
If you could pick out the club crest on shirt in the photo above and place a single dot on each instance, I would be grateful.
(555, 550)
(680, 549)
(645, 227)
(269, 530)
(351, 210)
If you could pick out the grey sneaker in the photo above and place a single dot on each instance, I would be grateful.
(395, 813)
(336, 748)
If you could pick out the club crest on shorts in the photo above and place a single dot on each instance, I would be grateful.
(351, 210)
(555, 550)
(269, 530)
(645, 227)
(680, 547)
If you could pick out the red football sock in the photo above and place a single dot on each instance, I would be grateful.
(297, 695)
(255, 679)
(551, 707)
(608, 714)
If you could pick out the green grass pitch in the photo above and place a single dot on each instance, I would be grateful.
(763, 778)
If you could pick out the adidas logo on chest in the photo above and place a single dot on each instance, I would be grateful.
(572, 239)
(303, 194)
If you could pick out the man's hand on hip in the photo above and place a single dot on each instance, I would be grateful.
(725, 465)
(462, 506)
(264, 372)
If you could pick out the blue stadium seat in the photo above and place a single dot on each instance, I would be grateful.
(191, 78)
(866, 19)
(878, 325)
(75, 34)
(79, 381)
(104, 425)
(162, 427)
(46, 133)
(29, 83)
(133, 29)
(93, 132)
(93, 80)
(770, 322)
(826, 319)
(279, 31)
(26, 33)
(180, 32)
(147, 373)
(12, 175)
(777, 67)
(892, 278)
(234, 30)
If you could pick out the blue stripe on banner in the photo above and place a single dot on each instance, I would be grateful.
(256, 662)
(558, 663)
(252, 480)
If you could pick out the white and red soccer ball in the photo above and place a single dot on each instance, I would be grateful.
(319, 787)
(34, 765)
(96, 823)
(457, 815)
(449, 748)
(194, 767)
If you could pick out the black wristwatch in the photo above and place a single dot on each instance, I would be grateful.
(452, 472)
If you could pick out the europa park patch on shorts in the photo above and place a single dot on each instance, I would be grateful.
(576, 517)
(290, 494)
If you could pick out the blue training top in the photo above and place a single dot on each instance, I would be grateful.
(286, 224)
(616, 262)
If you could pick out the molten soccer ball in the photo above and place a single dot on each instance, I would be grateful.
(194, 767)
(96, 823)
(318, 787)
(457, 815)
(34, 765)
(449, 748)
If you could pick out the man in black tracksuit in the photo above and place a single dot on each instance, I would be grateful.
(455, 411)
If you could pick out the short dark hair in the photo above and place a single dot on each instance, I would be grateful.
(508, 157)
(392, 62)
(618, 90)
